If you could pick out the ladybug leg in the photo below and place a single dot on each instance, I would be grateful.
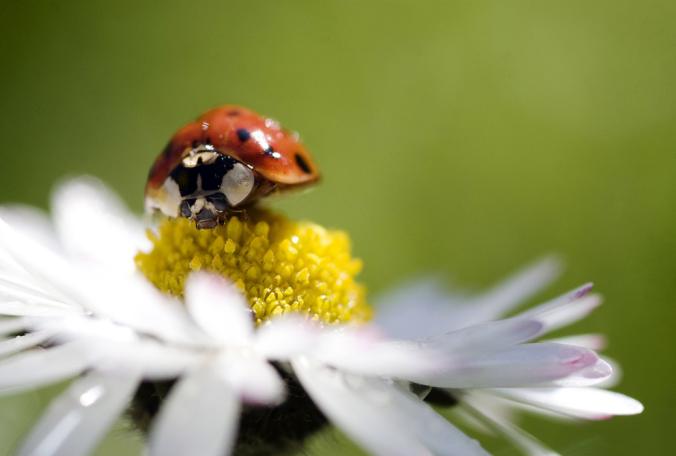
(210, 211)
(240, 212)
(206, 211)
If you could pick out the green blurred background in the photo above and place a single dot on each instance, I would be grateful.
(468, 137)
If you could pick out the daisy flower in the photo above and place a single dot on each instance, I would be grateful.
(248, 337)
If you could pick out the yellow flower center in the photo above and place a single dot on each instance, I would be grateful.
(280, 265)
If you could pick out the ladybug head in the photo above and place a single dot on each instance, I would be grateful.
(206, 185)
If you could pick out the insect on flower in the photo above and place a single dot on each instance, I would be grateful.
(224, 162)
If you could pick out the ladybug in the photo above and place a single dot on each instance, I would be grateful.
(224, 162)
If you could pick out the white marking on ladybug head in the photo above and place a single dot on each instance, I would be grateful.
(237, 184)
(202, 155)
(167, 199)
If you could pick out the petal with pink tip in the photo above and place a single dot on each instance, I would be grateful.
(219, 308)
(522, 365)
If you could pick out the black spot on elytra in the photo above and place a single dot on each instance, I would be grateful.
(302, 164)
(233, 113)
(243, 134)
(270, 151)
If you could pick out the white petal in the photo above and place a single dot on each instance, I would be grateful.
(157, 361)
(284, 337)
(113, 345)
(508, 410)
(12, 289)
(17, 282)
(8, 265)
(424, 309)
(131, 300)
(41, 264)
(484, 411)
(19, 278)
(255, 380)
(199, 417)
(76, 421)
(31, 221)
(587, 403)
(380, 417)
(459, 414)
(26, 309)
(615, 376)
(488, 336)
(522, 328)
(596, 342)
(23, 342)
(12, 325)
(36, 368)
(219, 308)
(564, 310)
(596, 373)
(437, 433)
(94, 224)
(522, 365)
(363, 350)
(418, 309)
(83, 327)
(514, 291)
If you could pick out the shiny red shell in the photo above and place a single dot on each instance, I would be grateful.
(272, 151)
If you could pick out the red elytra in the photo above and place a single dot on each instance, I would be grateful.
(259, 142)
